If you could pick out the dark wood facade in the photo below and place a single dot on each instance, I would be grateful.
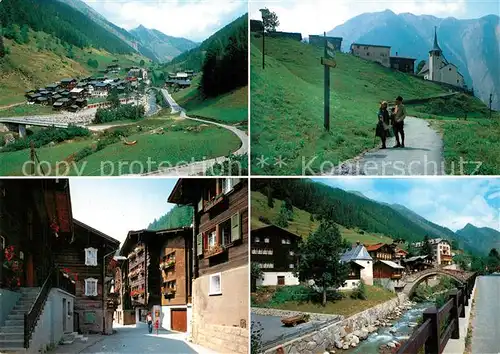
(272, 245)
(35, 218)
(406, 65)
(381, 251)
(176, 266)
(88, 310)
(384, 271)
(220, 221)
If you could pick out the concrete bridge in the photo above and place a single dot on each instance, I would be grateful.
(411, 281)
(18, 124)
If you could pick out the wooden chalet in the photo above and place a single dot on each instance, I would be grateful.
(384, 257)
(220, 287)
(68, 84)
(275, 250)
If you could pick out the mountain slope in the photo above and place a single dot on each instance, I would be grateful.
(178, 216)
(193, 59)
(481, 240)
(357, 212)
(162, 46)
(472, 45)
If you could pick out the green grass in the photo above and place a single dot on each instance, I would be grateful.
(181, 140)
(25, 110)
(287, 104)
(302, 224)
(229, 108)
(345, 307)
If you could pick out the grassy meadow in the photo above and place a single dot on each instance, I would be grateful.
(303, 225)
(287, 106)
(162, 138)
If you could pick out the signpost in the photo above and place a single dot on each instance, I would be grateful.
(328, 61)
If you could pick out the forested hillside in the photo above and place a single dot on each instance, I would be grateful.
(179, 216)
(60, 20)
(347, 209)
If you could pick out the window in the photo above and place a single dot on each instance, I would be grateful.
(228, 184)
(257, 239)
(215, 284)
(2, 242)
(291, 253)
(212, 239)
(199, 245)
(367, 54)
(225, 229)
(291, 266)
(90, 256)
(90, 287)
(254, 251)
(200, 205)
(235, 227)
(266, 240)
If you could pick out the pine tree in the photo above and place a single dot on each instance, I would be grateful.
(320, 258)
(427, 248)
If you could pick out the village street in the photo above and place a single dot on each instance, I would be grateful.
(136, 339)
(486, 322)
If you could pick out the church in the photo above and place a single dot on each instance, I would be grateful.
(439, 69)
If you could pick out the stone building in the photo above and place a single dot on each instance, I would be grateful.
(372, 52)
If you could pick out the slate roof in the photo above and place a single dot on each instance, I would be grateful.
(392, 264)
(358, 253)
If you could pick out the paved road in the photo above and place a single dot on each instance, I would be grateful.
(423, 155)
(199, 167)
(134, 340)
(486, 322)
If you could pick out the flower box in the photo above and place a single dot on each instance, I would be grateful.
(166, 265)
(214, 251)
(138, 249)
(213, 202)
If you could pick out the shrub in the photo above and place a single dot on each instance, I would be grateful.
(256, 338)
(83, 153)
(296, 293)
(45, 136)
(123, 112)
(265, 220)
(360, 291)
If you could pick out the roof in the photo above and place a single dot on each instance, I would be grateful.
(424, 69)
(435, 47)
(416, 258)
(183, 82)
(371, 45)
(274, 227)
(374, 247)
(403, 58)
(131, 234)
(97, 232)
(392, 264)
(322, 36)
(77, 90)
(68, 80)
(183, 75)
(358, 264)
(357, 253)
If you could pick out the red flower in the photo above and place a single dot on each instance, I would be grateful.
(18, 282)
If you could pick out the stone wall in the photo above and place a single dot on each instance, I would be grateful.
(8, 300)
(326, 337)
(283, 313)
(223, 339)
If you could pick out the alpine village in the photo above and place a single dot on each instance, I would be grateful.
(62, 280)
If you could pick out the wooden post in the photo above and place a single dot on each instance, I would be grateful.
(455, 333)
(327, 88)
(432, 344)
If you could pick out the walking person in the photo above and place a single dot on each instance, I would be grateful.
(399, 122)
(383, 124)
(149, 320)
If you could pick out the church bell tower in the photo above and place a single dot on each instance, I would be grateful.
(435, 59)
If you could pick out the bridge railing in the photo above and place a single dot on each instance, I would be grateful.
(440, 325)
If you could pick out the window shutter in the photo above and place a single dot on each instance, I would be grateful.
(200, 205)
(199, 245)
(235, 227)
(205, 240)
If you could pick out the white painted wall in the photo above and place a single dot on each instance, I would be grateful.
(166, 316)
(378, 54)
(271, 279)
(350, 285)
(49, 329)
(367, 272)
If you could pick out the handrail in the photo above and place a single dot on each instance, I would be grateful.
(31, 317)
(430, 335)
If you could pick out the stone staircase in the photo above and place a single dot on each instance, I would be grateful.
(12, 331)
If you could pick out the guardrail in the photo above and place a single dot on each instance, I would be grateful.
(441, 325)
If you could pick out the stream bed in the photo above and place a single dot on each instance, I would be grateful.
(401, 330)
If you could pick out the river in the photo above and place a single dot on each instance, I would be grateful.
(399, 331)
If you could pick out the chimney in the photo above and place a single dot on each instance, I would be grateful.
(358, 243)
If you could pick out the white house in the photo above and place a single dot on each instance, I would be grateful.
(439, 69)
(361, 266)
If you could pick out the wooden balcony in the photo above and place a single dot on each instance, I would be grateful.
(213, 202)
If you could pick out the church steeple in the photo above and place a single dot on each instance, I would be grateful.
(436, 47)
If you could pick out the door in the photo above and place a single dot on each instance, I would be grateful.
(281, 280)
(64, 314)
(179, 320)
(30, 274)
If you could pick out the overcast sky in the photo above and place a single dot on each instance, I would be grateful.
(318, 16)
(449, 202)
(192, 19)
(116, 206)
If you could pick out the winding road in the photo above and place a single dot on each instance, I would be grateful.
(199, 167)
(486, 322)
(423, 155)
